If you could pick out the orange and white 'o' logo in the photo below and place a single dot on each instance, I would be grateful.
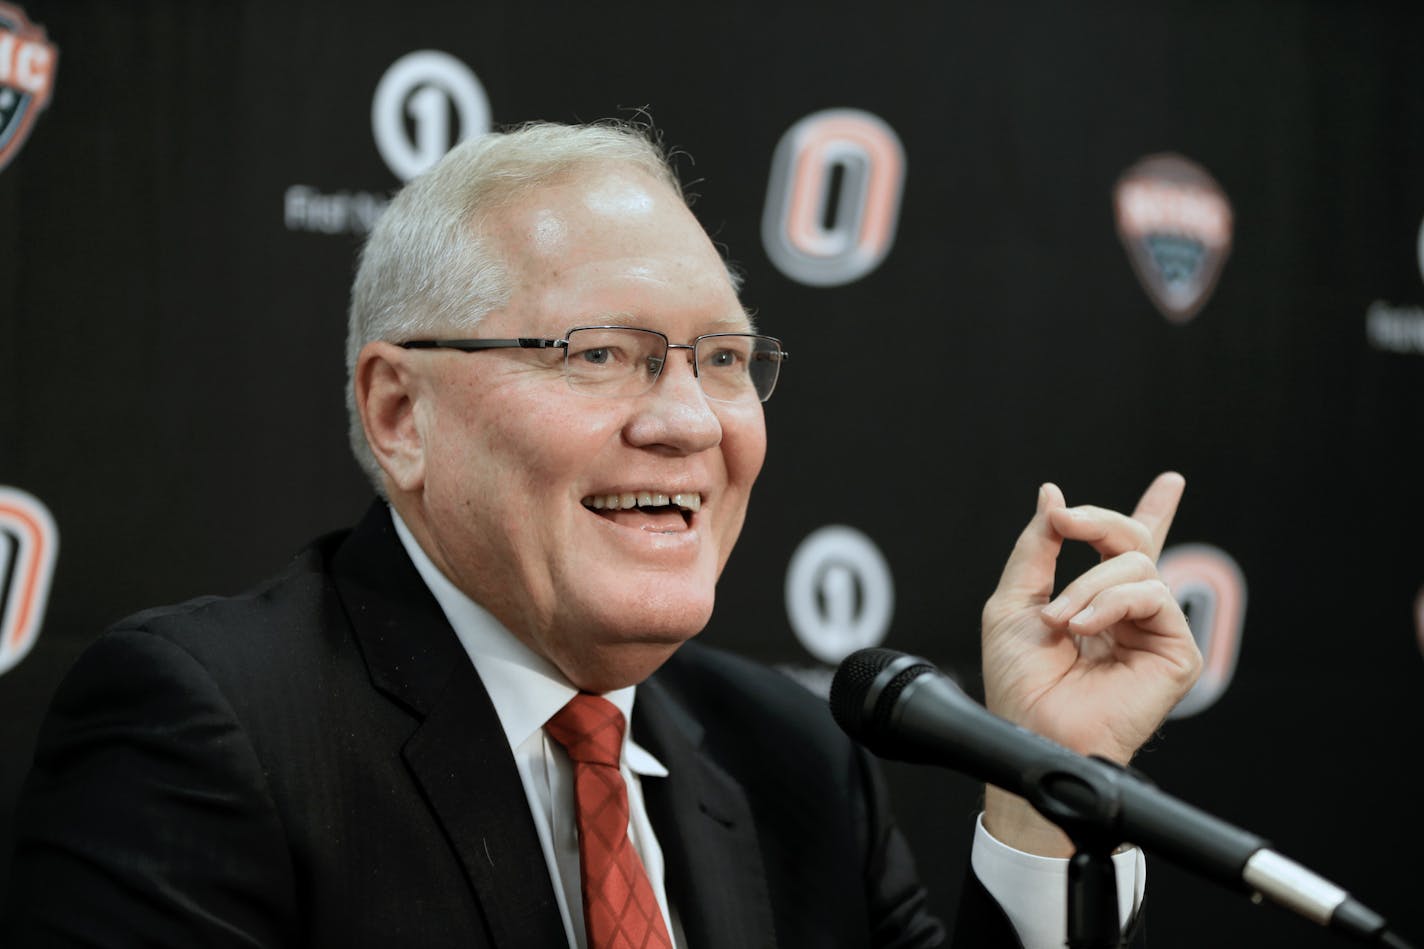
(1212, 592)
(28, 545)
(833, 201)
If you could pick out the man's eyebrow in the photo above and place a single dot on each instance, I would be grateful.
(743, 322)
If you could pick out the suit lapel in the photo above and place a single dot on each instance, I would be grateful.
(714, 872)
(458, 754)
(461, 759)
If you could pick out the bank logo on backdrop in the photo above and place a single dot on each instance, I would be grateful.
(27, 67)
(426, 103)
(833, 200)
(1212, 592)
(29, 543)
(1176, 224)
(839, 593)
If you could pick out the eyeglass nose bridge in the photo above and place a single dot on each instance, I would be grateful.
(656, 363)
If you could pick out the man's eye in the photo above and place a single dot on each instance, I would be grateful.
(724, 359)
(602, 356)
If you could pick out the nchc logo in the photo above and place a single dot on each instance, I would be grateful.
(27, 65)
(1175, 222)
(28, 545)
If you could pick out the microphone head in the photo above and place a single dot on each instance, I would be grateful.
(865, 688)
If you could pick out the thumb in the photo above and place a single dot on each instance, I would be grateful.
(1158, 506)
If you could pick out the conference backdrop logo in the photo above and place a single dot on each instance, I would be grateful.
(839, 597)
(833, 200)
(1398, 329)
(1176, 224)
(1212, 592)
(426, 86)
(425, 103)
(29, 542)
(27, 66)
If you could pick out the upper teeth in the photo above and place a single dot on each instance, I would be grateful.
(630, 499)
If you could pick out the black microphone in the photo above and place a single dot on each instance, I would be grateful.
(902, 708)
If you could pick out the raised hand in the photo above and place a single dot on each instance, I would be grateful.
(1099, 667)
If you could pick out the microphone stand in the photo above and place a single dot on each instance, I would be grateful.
(1092, 898)
(1085, 804)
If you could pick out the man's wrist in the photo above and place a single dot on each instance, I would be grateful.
(1013, 822)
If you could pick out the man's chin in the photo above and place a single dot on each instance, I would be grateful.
(613, 666)
(623, 637)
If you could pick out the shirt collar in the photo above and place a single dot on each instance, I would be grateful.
(525, 688)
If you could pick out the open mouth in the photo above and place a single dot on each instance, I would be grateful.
(647, 510)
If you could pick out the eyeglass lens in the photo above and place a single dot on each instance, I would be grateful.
(619, 361)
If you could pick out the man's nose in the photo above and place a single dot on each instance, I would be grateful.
(675, 413)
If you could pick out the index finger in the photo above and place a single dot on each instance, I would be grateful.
(1031, 564)
(1157, 506)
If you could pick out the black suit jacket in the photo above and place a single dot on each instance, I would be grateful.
(316, 762)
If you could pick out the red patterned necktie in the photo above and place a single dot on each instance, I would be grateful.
(619, 909)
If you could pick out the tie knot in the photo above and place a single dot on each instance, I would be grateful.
(590, 728)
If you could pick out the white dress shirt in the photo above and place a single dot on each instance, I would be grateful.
(526, 690)
(1033, 890)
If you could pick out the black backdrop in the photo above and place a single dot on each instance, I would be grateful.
(172, 308)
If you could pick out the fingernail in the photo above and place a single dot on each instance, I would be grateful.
(1084, 616)
(1042, 495)
(1055, 609)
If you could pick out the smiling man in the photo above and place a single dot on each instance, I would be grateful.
(523, 471)
(476, 719)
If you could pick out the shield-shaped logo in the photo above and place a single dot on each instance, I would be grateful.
(27, 65)
(1176, 223)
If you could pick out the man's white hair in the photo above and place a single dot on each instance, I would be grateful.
(428, 269)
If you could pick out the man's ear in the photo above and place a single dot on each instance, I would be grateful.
(386, 393)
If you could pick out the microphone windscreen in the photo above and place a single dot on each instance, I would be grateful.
(865, 687)
(852, 681)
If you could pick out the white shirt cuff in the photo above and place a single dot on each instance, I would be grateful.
(1033, 890)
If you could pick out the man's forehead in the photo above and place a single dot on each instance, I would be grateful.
(609, 217)
(594, 194)
(622, 195)
(548, 215)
